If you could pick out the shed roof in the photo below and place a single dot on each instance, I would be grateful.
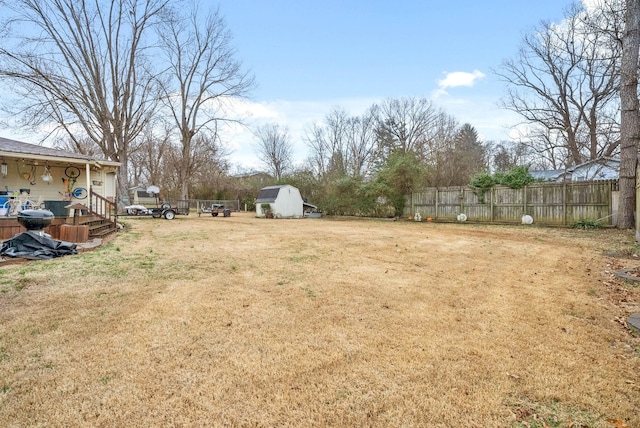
(268, 194)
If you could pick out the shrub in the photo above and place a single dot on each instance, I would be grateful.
(586, 224)
(481, 183)
(516, 178)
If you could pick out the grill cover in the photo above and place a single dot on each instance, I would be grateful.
(35, 245)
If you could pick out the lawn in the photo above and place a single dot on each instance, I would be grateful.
(239, 321)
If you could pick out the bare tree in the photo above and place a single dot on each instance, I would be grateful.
(407, 125)
(630, 119)
(77, 145)
(274, 149)
(563, 83)
(362, 147)
(436, 142)
(328, 144)
(86, 70)
(148, 161)
(204, 76)
(506, 155)
(208, 165)
(343, 144)
(320, 151)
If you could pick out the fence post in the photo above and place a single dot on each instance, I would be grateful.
(413, 205)
(564, 202)
(491, 195)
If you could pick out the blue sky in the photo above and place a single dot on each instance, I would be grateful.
(310, 56)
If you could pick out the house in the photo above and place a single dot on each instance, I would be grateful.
(602, 168)
(33, 176)
(284, 202)
(547, 174)
(249, 179)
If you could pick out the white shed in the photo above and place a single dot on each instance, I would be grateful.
(284, 202)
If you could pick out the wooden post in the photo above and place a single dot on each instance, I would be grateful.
(491, 195)
(77, 209)
(564, 201)
(413, 206)
(73, 233)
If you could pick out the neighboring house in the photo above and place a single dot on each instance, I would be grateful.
(249, 179)
(547, 175)
(603, 168)
(43, 173)
(284, 200)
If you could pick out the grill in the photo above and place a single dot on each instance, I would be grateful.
(35, 219)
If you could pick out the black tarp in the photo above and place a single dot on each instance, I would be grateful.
(35, 245)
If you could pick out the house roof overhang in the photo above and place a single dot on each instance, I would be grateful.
(18, 150)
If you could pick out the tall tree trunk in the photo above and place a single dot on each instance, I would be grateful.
(629, 118)
(123, 183)
(185, 162)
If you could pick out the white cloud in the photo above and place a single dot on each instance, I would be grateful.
(456, 79)
(241, 108)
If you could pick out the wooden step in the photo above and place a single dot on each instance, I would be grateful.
(98, 227)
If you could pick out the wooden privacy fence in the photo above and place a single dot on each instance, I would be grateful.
(549, 203)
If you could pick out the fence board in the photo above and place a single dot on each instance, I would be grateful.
(548, 203)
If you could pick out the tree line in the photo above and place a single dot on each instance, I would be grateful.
(364, 165)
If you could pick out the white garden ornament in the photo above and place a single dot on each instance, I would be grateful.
(527, 219)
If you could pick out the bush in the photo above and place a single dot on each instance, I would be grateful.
(586, 224)
(481, 183)
(516, 178)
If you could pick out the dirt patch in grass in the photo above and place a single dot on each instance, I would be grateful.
(239, 321)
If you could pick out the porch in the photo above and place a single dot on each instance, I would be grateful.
(95, 219)
(39, 177)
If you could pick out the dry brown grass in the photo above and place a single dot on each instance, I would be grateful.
(250, 322)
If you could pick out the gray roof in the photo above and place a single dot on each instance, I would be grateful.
(268, 194)
(9, 147)
(548, 175)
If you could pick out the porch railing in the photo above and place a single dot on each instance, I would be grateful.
(102, 207)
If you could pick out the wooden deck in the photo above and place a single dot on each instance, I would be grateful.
(96, 227)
